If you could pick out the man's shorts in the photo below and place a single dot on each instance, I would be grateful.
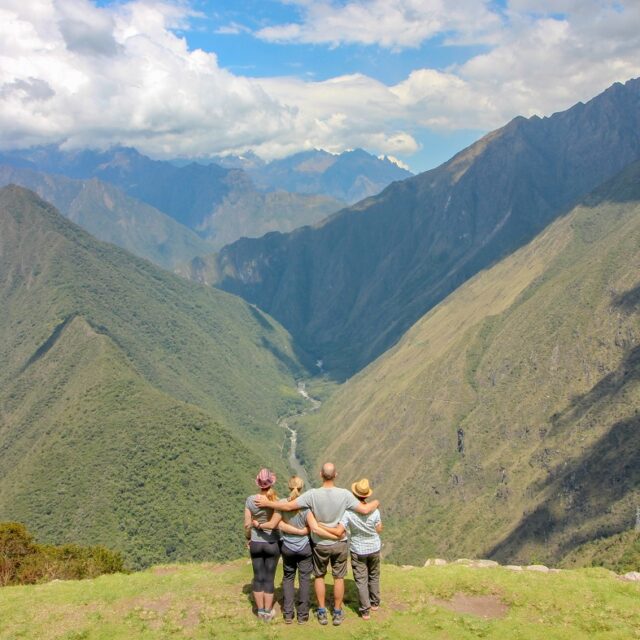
(336, 554)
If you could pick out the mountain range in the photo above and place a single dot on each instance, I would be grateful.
(349, 287)
(136, 407)
(350, 176)
(483, 314)
(222, 204)
(505, 423)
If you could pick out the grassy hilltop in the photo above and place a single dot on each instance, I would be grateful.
(211, 601)
(136, 406)
(505, 423)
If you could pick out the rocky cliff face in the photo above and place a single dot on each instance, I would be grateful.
(350, 287)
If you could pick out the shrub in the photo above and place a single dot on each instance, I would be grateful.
(22, 561)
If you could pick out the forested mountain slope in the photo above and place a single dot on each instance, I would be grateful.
(136, 407)
(505, 422)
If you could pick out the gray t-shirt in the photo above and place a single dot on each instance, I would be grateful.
(261, 515)
(296, 519)
(328, 506)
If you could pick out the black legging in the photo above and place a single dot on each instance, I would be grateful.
(264, 558)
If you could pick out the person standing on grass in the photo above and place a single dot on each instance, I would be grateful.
(328, 504)
(296, 555)
(263, 543)
(364, 545)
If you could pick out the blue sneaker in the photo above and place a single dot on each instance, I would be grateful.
(338, 617)
(322, 616)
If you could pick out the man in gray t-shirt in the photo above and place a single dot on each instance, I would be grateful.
(328, 504)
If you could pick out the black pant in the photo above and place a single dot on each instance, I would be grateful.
(302, 561)
(264, 558)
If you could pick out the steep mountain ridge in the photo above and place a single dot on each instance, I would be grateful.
(111, 216)
(349, 287)
(136, 406)
(504, 424)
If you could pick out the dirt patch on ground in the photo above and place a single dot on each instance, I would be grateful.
(487, 607)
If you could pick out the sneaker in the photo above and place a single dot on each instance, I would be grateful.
(268, 615)
(322, 616)
(375, 607)
(338, 617)
(365, 615)
(288, 620)
(303, 620)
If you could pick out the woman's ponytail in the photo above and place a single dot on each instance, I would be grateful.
(296, 484)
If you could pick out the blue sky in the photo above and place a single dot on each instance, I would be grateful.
(245, 54)
(414, 79)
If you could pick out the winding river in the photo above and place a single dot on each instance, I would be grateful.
(293, 460)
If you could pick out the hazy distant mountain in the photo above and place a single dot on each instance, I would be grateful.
(219, 204)
(188, 194)
(250, 213)
(136, 406)
(350, 176)
(347, 289)
(505, 423)
(110, 215)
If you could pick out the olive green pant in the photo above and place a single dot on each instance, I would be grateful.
(366, 573)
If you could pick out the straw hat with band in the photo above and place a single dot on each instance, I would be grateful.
(361, 489)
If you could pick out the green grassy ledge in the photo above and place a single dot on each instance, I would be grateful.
(212, 601)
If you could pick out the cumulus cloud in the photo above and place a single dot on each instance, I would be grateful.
(83, 75)
(394, 25)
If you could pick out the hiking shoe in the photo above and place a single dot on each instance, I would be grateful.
(365, 615)
(269, 615)
(303, 620)
(322, 616)
(375, 607)
(288, 620)
(338, 617)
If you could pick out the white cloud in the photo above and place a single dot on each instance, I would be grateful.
(89, 76)
(396, 161)
(393, 25)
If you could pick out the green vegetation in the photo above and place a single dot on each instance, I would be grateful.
(136, 406)
(212, 601)
(505, 423)
(619, 553)
(22, 561)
